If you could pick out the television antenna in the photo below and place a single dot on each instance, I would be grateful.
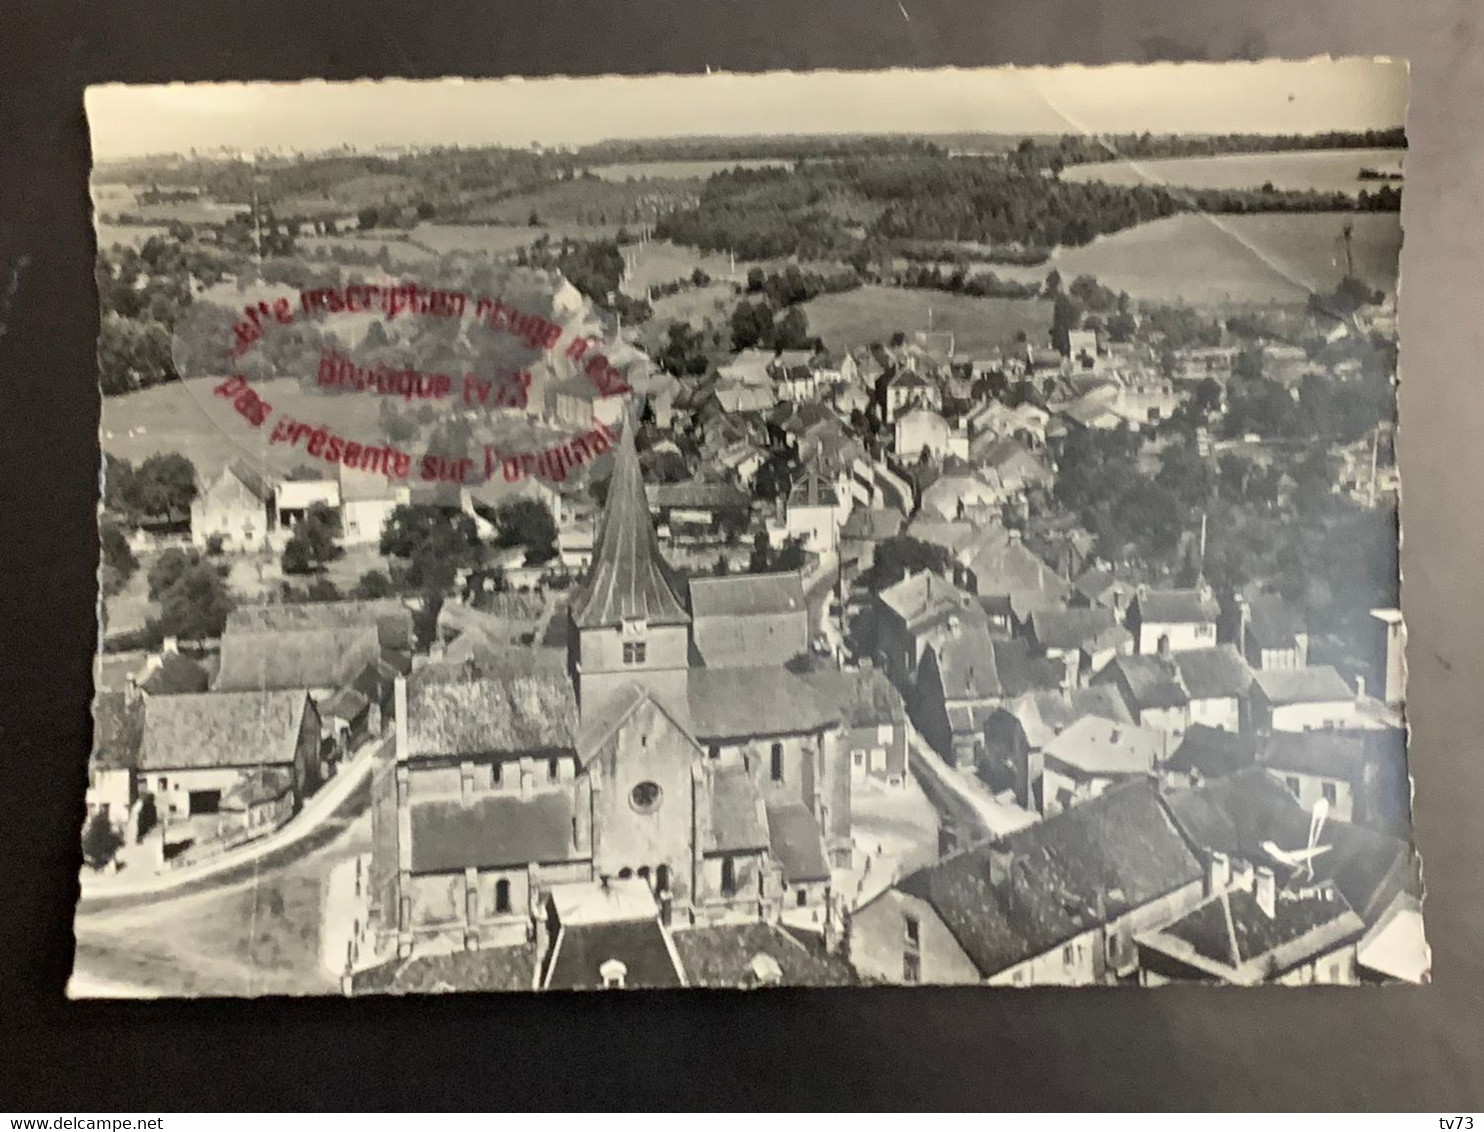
(1297, 859)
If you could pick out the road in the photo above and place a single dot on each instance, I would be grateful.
(962, 796)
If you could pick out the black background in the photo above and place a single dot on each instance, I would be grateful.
(1403, 1048)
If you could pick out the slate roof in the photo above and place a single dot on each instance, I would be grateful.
(629, 577)
(722, 955)
(1097, 747)
(392, 619)
(796, 843)
(873, 524)
(1152, 681)
(1119, 851)
(1315, 684)
(640, 945)
(118, 729)
(1231, 937)
(925, 598)
(1236, 814)
(221, 729)
(506, 714)
(729, 703)
(1177, 607)
(864, 698)
(1076, 628)
(1044, 714)
(738, 820)
(813, 490)
(1212, 752)
(1002, 564)
(492, 831)
(1213, 673)
(1339, 755)
(741, 595)
(311, 658)
(173, 675)
(1272, 622)
(697, 495)
(345, 704)
(251, 478)
(488, 969)
(1097, 583)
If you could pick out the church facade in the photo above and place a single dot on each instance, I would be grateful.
(726, 790)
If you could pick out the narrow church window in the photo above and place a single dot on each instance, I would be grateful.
(662, 878)
(803, 897)
(777, 766)
(553, 770)
(714, 750)
(728, 877)
(914, 931)
(502, 896)
(911, 968)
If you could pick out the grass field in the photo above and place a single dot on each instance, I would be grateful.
(676, 170)
(660, 261)
(502, 239)
(403, 253)
(1328, 170)
(1264, 258)
(588, 200)
(128, 235)
(873, 314)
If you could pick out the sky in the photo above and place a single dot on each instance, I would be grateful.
(1265, 97)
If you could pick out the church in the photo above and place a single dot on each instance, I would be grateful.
(726, 790)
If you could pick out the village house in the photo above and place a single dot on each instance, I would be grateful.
(237, 507)
(1016, 735)
(1018, 469)
(297, 492)
(1301, 699)
(912, 615)
(1185, 618)
(167, 673)
(1104, 585)
(245, 760)
(607, 935)
(1058, 903)
(994, 420)
(367, 500)
(118, 726)
(923, 431)
(815, 511)
(1152, 690)
(748, 620)
(1170, 691)
(1361, 775)
(875, 721)
(1086, 640)
(1271, 633)
(1092, 755)
(956, 494)
(1206, 753)
(864, 530)
(700, 511)
(998, 563)
(909, 389)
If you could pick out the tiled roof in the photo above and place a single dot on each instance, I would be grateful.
(1315, 684)
(534, 711)
(1273, 622)
(796, 843)
(738, 821)
(1237, 814)
(746, 594)
(925, 597)
(345, 704)
(1212, 752)
(629, 578)
(392, 619)
(873, 523)
(1340, 755)
(813, 490)
(1213, 673)
(864, 698)
(282, 660)
(1045, 714)
(722, 956)
(1152, 681)
(640, 945)
(1231, 937)
(252, 478)
(488, 969)
(1177, 607)
(118, 728)
(728, 703)
(492, 831)
(1058, 878)
(221, 729)
(1072, 628)
(1096, 747)
(697, 495)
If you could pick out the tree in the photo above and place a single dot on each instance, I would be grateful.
(791, 332)
(119, 563)
(372, 584)
(527, 523)
(100, 841)
(897, 557)
(434, 543)
(752, 324)
(1066, 316)
(762, 554)
(196, 603)
(313, 544)
(791, 557)
(168, 569)
(163, 486)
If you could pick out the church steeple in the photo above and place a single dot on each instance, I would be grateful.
(629, 580)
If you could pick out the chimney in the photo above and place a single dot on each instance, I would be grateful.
(1242, 875)
(1218, 873)
(1267, 891)
(169, 645)
(1244, 622)
(1360, 689)
(399, 703)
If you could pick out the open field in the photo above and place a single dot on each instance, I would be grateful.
(873, 314)
(502, 239)
(403, 253)
(1327, 170)
(183, 416)
(587, 200)
(127, 235)
(677, 170)
(696, 305)
(660, 261)
(1262, 258)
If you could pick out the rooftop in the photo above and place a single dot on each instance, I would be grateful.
(277, 660)
(222, 729)
(796, 844)
(864, 698)
(1152, 681)
(1096, 747)
(1177, 607)
(1314, 684)
(737, 595)
(726, 703)
(641, 946)
(499, 715)
(392, 619)
(739, 822)
(724, 955)
(172, 674)
(488, 969)
(1213, 673)
(1212, 752)
(118, 728)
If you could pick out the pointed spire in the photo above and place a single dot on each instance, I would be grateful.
(629, 578)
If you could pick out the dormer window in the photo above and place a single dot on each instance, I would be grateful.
(613, 973)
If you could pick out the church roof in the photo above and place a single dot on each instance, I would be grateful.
(629, 579)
